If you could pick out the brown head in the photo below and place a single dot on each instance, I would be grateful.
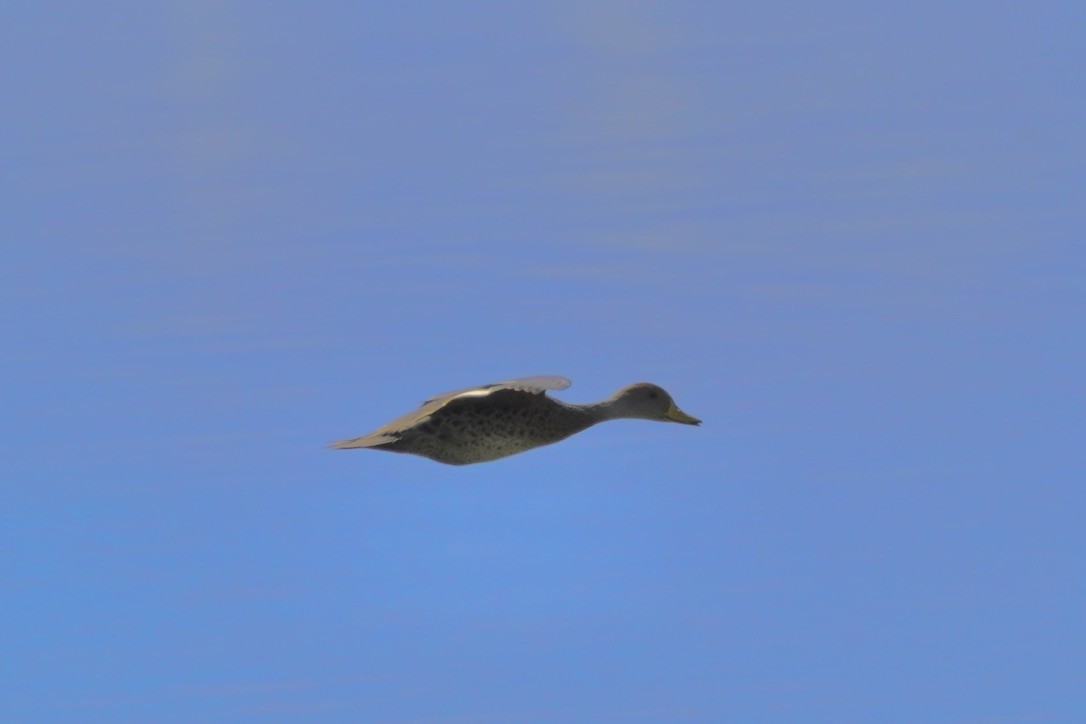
(647, 401)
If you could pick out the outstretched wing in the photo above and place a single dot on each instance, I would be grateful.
(538, 384)
(391, 431)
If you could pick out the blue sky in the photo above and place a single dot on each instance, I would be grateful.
(848, 236)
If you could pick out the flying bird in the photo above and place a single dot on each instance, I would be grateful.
(485, 423)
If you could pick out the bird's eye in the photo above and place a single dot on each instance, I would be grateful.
(653, 395)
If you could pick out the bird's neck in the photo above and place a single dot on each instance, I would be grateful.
(600, 411)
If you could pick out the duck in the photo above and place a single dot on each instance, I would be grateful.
(480, 424)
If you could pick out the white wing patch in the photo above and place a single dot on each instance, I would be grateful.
(479, 392)
(524, 384)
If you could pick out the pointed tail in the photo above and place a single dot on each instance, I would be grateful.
(356, 442)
